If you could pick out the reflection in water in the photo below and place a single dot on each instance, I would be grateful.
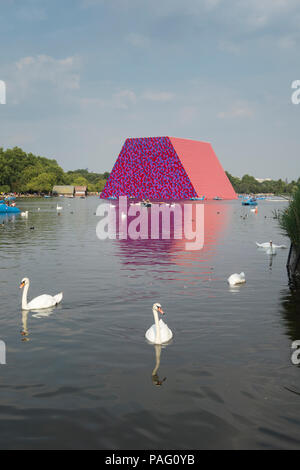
(24, 331)
(155, 378)
(42, 313)
(290, 302)
(171, 254)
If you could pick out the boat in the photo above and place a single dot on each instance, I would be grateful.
(217, 198)
(197, 198)
(4, 209)
(249, 202)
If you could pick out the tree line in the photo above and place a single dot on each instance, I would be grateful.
(22, 172)
(249, 185)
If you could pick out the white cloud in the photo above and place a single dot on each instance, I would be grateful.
(123, 99)
(41, 73)
(137, 40)
(240, 109)
(161, 96)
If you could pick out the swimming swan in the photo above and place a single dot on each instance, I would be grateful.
(158, 333)
(41, 302)
(236, 279)
(58, 208)
(269, 244)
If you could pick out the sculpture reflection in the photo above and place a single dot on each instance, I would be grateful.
(163, 251)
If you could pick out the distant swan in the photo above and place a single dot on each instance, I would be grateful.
(41, 302)
(24, 214)
(58, 208)
(158, 333)
(269, 244)
(235, 279)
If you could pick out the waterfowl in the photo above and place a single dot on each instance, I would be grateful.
(269, 244)
(58, 208)
(236, 279)
(159, 332)
(40, 302)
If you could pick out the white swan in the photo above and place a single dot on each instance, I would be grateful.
(41, 302)
(24, 214)
(236, 279)
(269, 244)
(58, 208)
(158, 333)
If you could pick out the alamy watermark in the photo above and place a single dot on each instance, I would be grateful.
(2, 92)
(296, 94)
(2, 353)
(140, 221)
(295, 356)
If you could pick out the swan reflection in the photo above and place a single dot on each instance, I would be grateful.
(24, 331)
(155, 378)
(42, 313)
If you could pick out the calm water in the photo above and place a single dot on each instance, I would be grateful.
(82, 377)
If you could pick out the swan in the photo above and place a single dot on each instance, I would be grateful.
(24, 214)
(235, 279)
(158, 333)
(269, 244)
(41, 302)
(271, 251)
(58, 208)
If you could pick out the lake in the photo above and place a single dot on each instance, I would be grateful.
(84, 377)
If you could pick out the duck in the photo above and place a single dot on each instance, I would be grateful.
(236, 279)
(159, 332)
(40, 302)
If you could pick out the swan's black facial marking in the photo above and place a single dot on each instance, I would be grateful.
(160, 310)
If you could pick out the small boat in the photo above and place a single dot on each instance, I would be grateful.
(197, 198)
(249, 202)
(217, 198)
(4, 209)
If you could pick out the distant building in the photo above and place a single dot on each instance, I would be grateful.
(67, 191)
(80, 191)
(262, 180)
(168, 168)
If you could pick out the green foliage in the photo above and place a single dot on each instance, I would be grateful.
(249, 185)
(289, 219)
(24, 172)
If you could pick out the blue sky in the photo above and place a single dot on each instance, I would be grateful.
(83, 75)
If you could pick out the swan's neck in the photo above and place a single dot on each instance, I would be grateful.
(24, 296)
(158, 338)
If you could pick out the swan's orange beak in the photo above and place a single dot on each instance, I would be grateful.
(160, 310)
(22, 285)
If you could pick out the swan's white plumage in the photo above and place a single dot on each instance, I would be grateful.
(268, 245)
(235, 279)
(159, 333)
(165, 333)
(40, 302)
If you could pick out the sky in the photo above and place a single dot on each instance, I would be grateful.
(83, 75)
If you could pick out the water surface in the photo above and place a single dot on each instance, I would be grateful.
(85, 377)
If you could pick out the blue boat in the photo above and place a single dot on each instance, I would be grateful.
(4, 209)
(197, 198)
(249, 202)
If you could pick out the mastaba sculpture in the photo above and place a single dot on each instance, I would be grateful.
(167, 168)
